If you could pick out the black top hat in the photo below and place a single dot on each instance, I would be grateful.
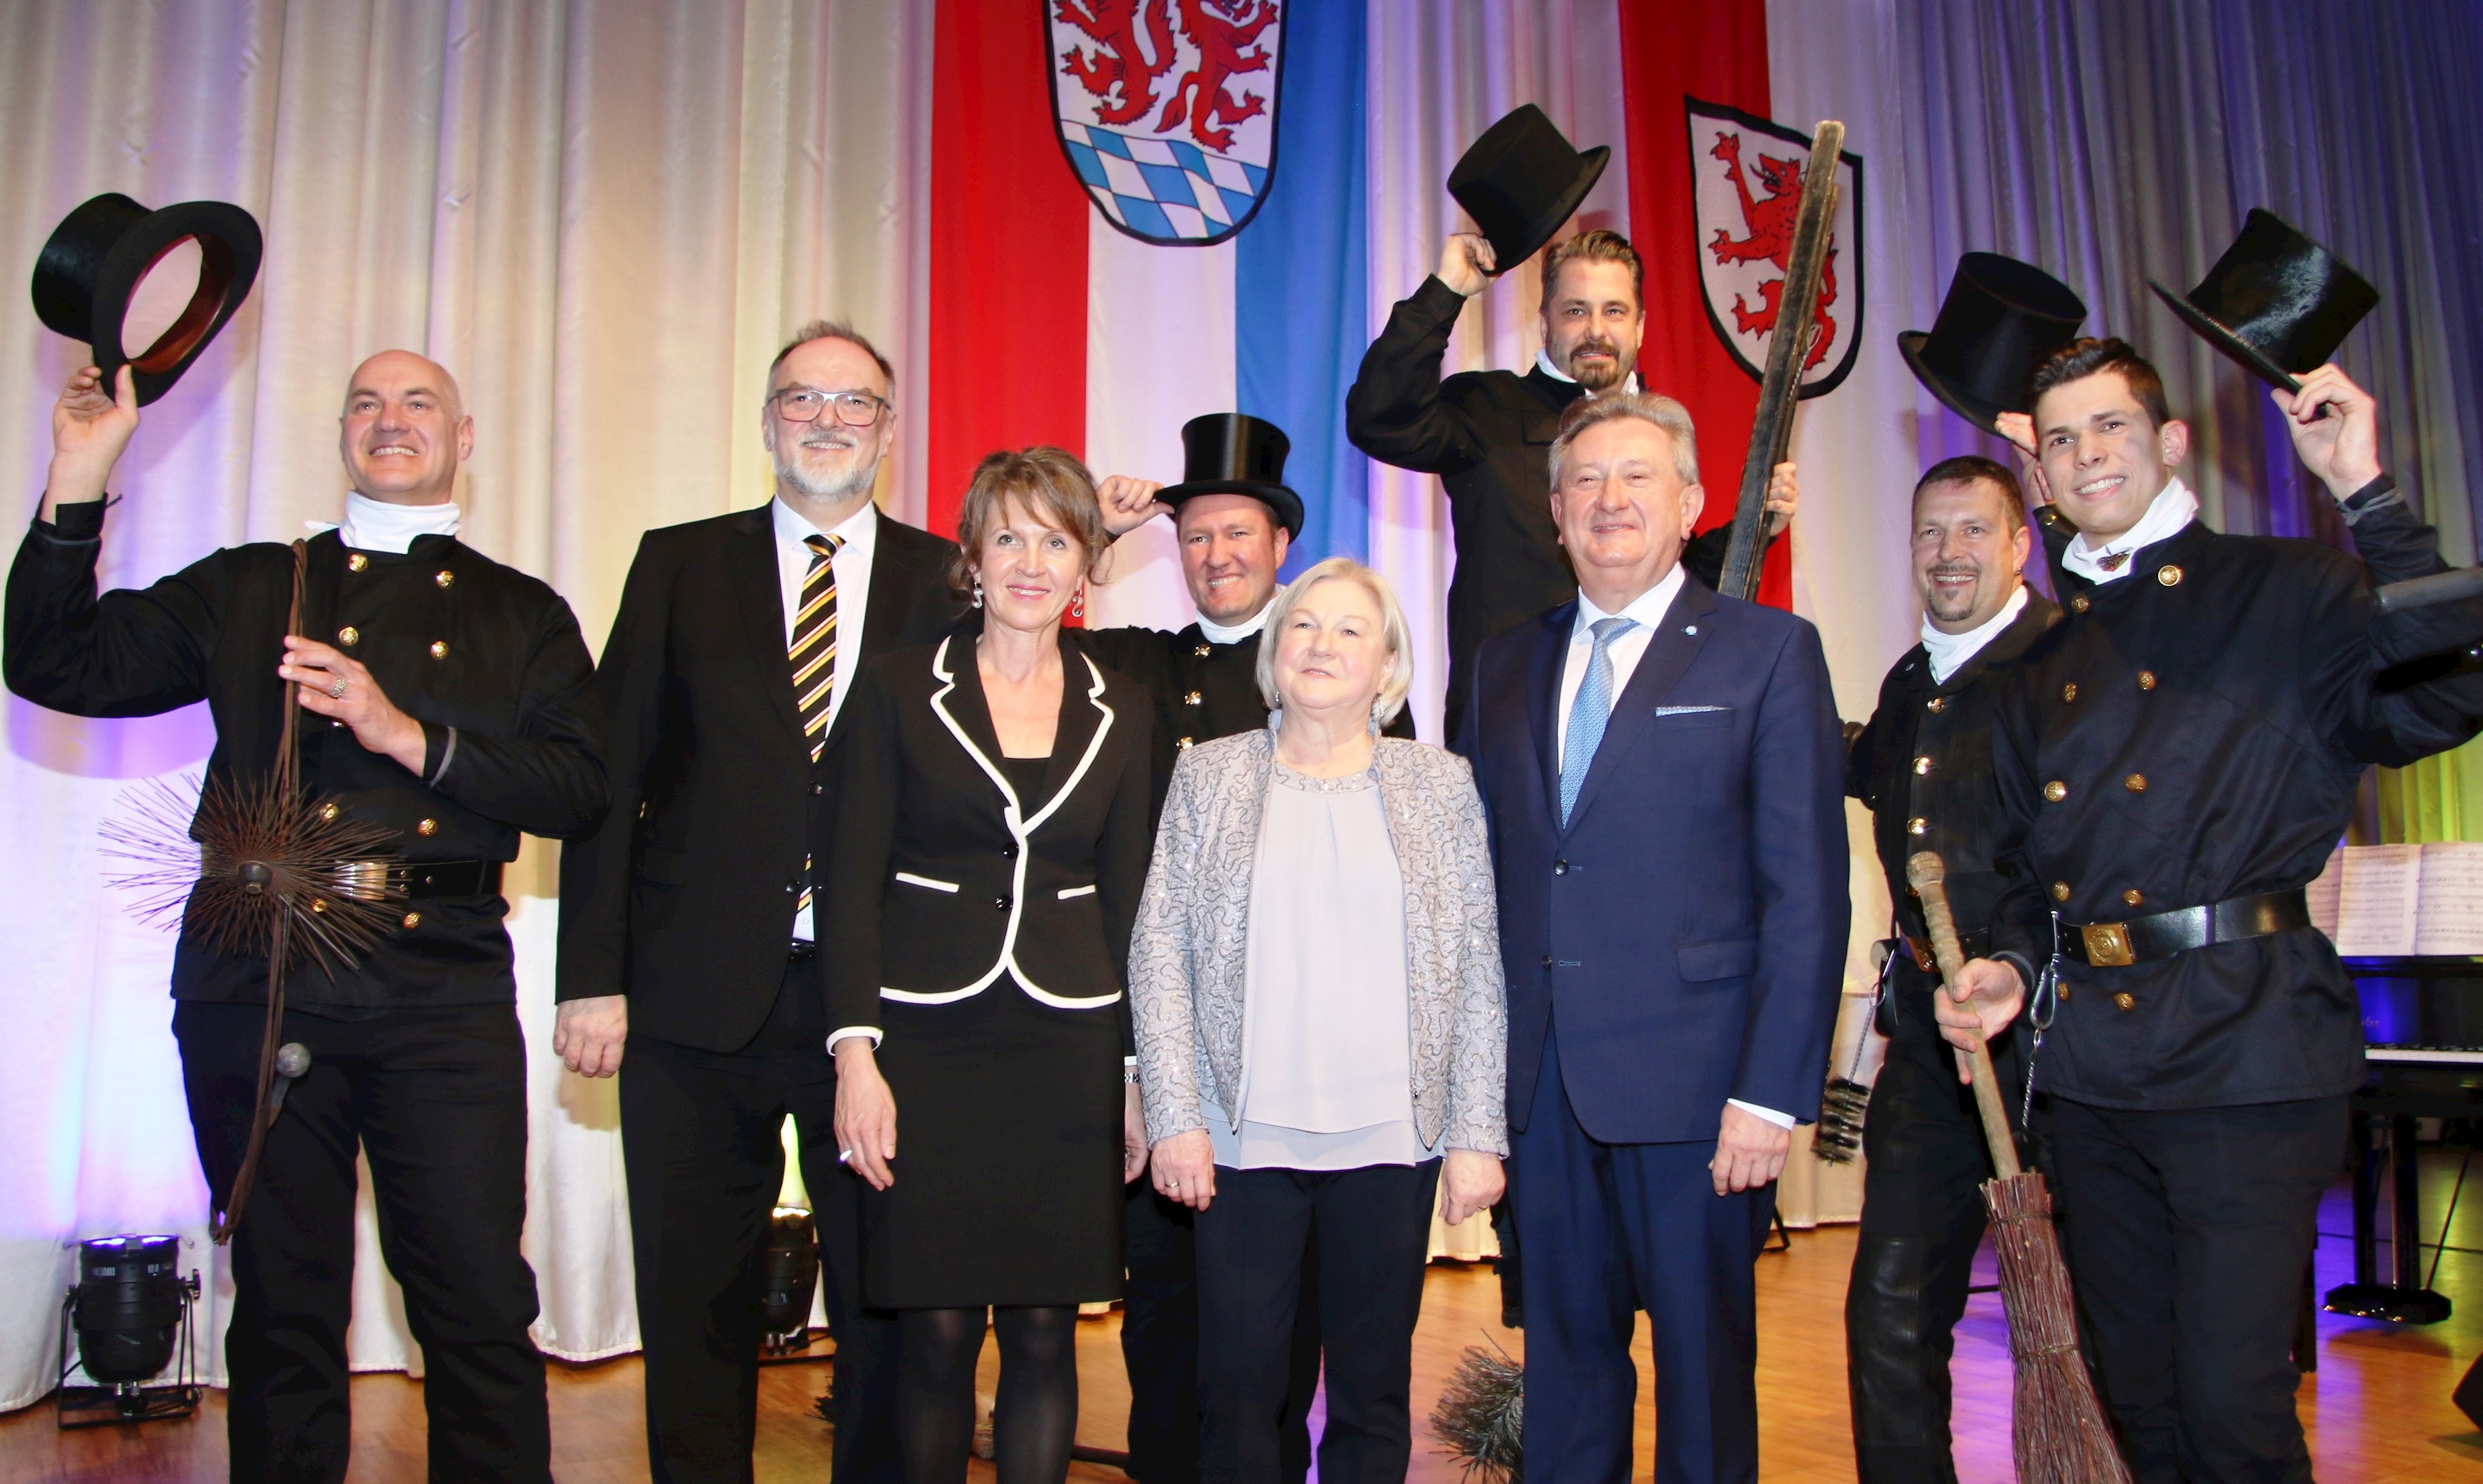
(1233, 453)
(2000, 318)
(1520, 181)
(95, 257)
(2276, 302)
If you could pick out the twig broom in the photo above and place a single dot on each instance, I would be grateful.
(2058, 1435)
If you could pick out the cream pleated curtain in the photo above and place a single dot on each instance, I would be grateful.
(604, 218)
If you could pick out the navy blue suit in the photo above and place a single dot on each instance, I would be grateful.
(1678, 943)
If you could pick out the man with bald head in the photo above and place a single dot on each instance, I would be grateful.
(445, 698)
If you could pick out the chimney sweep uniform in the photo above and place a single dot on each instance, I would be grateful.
(2177, 759)
(1923, 767)
(416, 1054)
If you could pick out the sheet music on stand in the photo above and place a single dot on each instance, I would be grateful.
(2397, 901)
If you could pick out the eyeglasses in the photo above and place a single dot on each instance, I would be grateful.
(802, 403)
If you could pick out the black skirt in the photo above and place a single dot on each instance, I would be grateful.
(1008, 1155)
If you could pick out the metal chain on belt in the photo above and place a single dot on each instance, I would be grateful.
(2041, 1007)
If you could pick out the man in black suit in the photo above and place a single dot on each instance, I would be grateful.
(1486, 433)
(688, 920)
(1205, 683)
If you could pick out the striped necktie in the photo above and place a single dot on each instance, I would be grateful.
(813, 653)
(814, 656)
(1590, 712)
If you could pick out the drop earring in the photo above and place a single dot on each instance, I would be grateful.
(1077, 602)
(978, 589)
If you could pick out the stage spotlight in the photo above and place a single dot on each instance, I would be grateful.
(789, 1275)
(131, 1313)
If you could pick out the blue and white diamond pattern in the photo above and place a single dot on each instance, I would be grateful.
(1166, 189)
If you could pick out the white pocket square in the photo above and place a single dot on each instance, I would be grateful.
(1687, 710)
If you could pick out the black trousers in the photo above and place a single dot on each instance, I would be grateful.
(1372, 1227)
(1925, 1162)
(1159, 1347)
(702, 1146)
(437, 1100)
(2188, 1235)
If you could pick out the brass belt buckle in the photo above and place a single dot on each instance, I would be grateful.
(2107, 944)
(368, 881)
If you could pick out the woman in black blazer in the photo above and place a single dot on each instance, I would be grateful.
(990, 846)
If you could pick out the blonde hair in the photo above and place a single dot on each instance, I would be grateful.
(1049, 482)
(1644, 405)
(1400, 679)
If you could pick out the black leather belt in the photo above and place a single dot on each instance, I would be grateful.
(802, 951)
(2149, 940)
(450, 878)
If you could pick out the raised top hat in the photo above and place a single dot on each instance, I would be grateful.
(1520, 181)
(2000, 318)
(1233, 453)
(98, 254)
(2276, 302)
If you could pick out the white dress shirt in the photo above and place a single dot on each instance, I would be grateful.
(1949, 652)
(852, 563)
(1649, 609)
(2173, 507)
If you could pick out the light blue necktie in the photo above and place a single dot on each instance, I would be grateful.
(1588, 713)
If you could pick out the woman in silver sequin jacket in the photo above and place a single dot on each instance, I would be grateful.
(1321, 1025)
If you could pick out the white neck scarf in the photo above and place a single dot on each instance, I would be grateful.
(376, 526)
(1235, 634)
(1949, 652)
(1543, 363)
(2173, 507)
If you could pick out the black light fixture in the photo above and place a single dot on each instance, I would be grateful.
(131, 1312)
(788, 1277)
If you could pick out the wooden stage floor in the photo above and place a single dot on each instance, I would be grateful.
(2378, 1408)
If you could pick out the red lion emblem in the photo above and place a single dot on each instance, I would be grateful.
(1769, 221)
(1223, 31)
(1118, 65)
(1123, 79)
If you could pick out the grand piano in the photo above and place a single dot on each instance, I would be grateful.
(2422, 1022)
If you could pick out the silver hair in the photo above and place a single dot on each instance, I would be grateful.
(1648, 407)
(1393, 629)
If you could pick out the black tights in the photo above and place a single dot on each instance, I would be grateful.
(1035, 1417)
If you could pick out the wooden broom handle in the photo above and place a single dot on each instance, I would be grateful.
(1925, 874)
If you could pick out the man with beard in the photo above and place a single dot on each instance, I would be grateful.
(1923, 767)
(1205, 682)
(686, 932)
(1486, 433)
(448, 702)
(2176, 760)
